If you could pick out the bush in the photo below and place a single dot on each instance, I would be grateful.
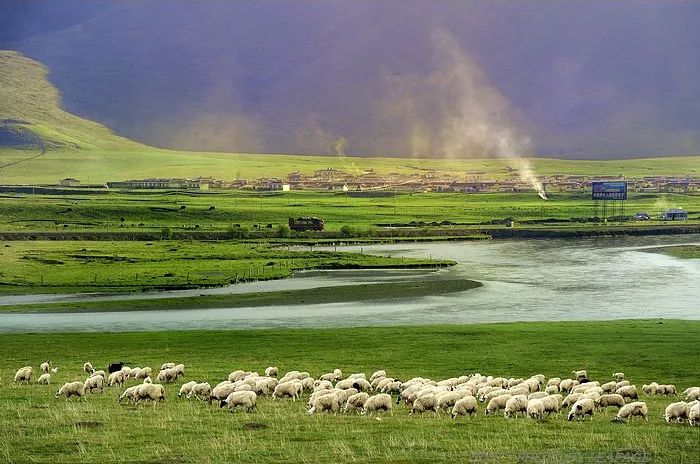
(283, 231)
(237, 231)
(347, 231)
(166, 233)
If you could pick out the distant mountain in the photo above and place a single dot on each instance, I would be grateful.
(579, 79)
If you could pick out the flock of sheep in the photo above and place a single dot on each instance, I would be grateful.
(534, 397)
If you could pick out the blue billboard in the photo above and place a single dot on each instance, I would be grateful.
(616, 190)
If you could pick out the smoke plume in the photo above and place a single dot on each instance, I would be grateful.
(455, 112)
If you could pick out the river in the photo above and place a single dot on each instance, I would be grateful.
(524, 280)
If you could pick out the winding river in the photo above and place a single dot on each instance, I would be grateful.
(524, 280)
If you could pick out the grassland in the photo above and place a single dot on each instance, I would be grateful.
(682, 251)
(35, 427)
(58, 267)
(138, 211)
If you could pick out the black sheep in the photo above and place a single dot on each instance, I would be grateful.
(115, 367)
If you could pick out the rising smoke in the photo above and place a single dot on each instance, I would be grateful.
(455, 112)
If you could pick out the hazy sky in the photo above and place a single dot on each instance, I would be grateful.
(584, 79)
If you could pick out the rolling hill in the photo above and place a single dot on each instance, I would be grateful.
(76, 147)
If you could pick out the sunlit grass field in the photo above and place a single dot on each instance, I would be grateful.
(34, 427)
(136, 211)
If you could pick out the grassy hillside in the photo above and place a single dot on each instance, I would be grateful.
(91, 152)
(34, 427)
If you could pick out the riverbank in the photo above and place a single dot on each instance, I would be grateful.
(683, 251)
(313, 296)
(35, 427)
(121, 266)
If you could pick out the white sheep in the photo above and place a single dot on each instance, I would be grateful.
(87, 367)
(580, 375)
(628, 391)
(694, 413)
(676, 412)
(622, 383)
(393, 387)
(186, 388)
(610, 399)
(692, 393)
(221, 391)
(380, 402)
(99, 373)
(265, 385)
(235, 376)
(44, 379)
(247, 399)
(148, 380)
(71, 389)
(328, 402)
(538, 395)
(377, 374)
(45, 367)
(553, 381)
(516, 405)
(143, 373)
(356, 402)
(618, 376)
(497, 403)
(666, 390)
(271, 371)
(94, 383)
(127, 371)
(609, 387)
(582, 408)
(167, 375)
(24, 374)
(465, 406)
(567, 384)
(636, 408)
(535, 409)
(552, 404)
(552, 390)
(201, 391)
(129, 394)
(167, 365)
(292, 389)
(149, 392)
(307, 383)
(116, 378)
(650, 389)
(322, 385)
(134, 372)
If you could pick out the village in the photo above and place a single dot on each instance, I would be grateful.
(336, 180)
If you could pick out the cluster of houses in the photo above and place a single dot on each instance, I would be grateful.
(425, 181)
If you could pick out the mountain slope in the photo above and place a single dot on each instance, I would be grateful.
(31, 114)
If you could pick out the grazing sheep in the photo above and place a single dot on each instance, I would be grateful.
(99, 373)
(329, 376)
(377, 374)
(116, 378)
(71, 389)
(622, 383)
(94, 383)
(179, 370)
(128, 394)
(24, 374)
(637, 408)
(465, 406)
(167, 375)
(694, 413)
(609, 387)
(582, 408)
(148, 380)
(567, 384)
(307, 383)
(236, 376)
(493, 394)
(328, 402)
(538, 395)
(322, 385)
(447, 400)
(114, 367)
(201, 391)
(292, 389)
(553, 381)
(393, 387)
(618, 376)
(666, 390)
(356, 402)
(379, 382)
(609, 400)
(692, 393)
(271, 371)
(338, 374)
(134, 372)
(168, 365)
(54, 370)
(265, 385)
(552, 390)
(535, 409)
(497, 403)
(650, 389)
(247, 399)
(44, 379)
(515, 405)
(87, 367)
(380, 402)
(221, 391)
(676, 412)
(628, 391)
(552, 404)
(149, 392)
(45, 367)
(580, 375)
(143, 373)
(186, 388)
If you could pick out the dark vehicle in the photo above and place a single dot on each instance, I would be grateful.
(306, 223)
(641, 217)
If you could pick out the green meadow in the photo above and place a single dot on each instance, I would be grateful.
(35, 427)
